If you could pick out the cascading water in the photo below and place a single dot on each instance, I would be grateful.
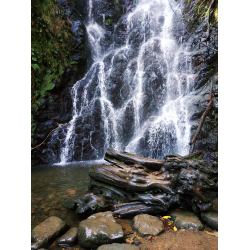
(134, 97)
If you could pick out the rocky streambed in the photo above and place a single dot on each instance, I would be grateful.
(126, 204)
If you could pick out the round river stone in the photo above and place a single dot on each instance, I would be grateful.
(211, 219)
(47, 231)
(145, 225)
(186, 220)
(69, 238)
(99, 229)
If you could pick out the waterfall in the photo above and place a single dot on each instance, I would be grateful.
(134, 96)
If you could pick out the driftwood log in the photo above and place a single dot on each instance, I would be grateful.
(131, 159)
(130, 185)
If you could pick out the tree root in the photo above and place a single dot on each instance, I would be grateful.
(49, 134)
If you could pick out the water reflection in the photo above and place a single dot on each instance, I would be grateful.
(51, 184)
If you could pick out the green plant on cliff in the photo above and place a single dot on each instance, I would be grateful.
(51, 47)
(204, 9)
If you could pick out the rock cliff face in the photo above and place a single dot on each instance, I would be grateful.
(95, 128)
(58, 107)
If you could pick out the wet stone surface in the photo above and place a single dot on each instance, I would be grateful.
(146, 225)
(48, 231)
(38, 245)
(186, 220)
(69, 238)
(99, 229)
(211, 219)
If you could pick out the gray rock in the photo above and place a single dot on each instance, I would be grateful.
(186, 220)
(47, 231)
(116, 246)
(145, 225)
(211, 219)
(69, 238)
(99, 229)
(37, 245)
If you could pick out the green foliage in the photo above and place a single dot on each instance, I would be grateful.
(51, 47)
(109, 21)
(203, 9)
(200, 10)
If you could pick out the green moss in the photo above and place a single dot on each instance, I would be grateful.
(109, 21)
(51, 49)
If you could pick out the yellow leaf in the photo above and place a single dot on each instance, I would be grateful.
(127, 178)
(175, 229)
(166, 217)
(160, 246)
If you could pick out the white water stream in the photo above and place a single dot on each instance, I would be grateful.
(157, 72)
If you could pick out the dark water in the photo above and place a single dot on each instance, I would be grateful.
(51, 184)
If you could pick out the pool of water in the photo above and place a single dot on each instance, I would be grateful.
(51, 184)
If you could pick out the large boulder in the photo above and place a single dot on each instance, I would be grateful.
(69, 238)
(47, 231)
(211, 219)
(186, 220)
(116, 246)
(145, 225)
(99, 229)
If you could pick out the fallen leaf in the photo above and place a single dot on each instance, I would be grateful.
(166, 217)
(127, 178)
(177, 209)
(160, 246)
(129, 240)
(175, 229)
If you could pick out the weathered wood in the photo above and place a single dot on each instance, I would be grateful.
(132, 159)
(131, 169)
(130, 180)
(129, 190)
(132, 209)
